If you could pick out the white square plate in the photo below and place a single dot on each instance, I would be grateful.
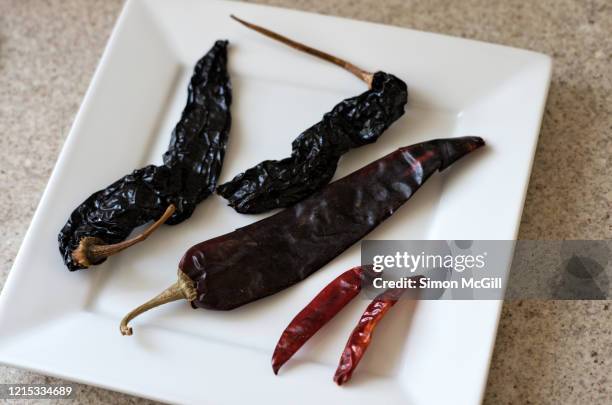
(66, 324)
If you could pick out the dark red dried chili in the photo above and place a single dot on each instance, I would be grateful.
(352, 123)
(272, 254)
(168, 193)
(361, 337)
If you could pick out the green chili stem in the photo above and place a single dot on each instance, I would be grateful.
(92, 250)
(184, 288)
(360, 73)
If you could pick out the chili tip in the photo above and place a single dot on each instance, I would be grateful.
(453, 149)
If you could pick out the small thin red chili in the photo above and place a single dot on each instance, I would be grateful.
(317, 313)
(361, 337)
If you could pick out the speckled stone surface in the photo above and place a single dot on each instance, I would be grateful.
(546, 352)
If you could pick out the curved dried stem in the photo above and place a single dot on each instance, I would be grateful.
(184, 288)
(92, 250)
(360, 73)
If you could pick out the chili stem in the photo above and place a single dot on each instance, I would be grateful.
(184, 288)
(92, 250)
(360, 73)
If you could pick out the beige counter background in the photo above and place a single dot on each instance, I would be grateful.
(546, 352)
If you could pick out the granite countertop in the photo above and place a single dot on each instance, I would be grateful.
(546, 351)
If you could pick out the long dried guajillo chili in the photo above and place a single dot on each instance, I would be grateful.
(354, 122)
(272, 254)
(361, 337)
(168, 193)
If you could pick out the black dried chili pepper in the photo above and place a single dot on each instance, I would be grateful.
(272, 254)
(354, 122)
(168, 193)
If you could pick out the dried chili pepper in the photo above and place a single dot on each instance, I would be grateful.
(316, 314)
(168, 193)
(272, 254)
(361, 337)
(352, 123)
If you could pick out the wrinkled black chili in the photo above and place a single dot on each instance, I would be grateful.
(352, 123)
(167, 193)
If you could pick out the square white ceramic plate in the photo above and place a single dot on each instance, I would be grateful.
(66, 324)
